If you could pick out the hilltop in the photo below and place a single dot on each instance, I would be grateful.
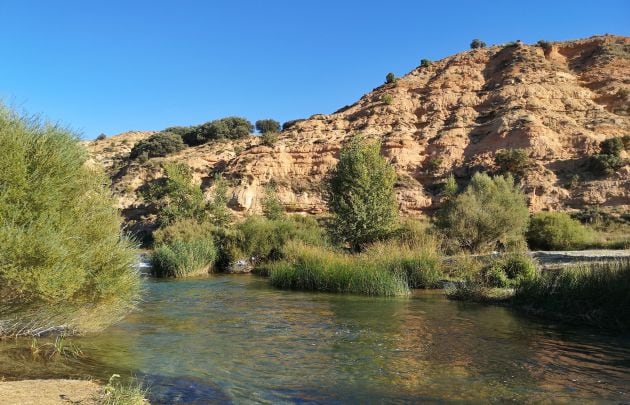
(556, 100)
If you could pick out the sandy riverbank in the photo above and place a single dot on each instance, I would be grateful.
(49, 392)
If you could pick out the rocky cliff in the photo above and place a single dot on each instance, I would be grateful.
(557, 101)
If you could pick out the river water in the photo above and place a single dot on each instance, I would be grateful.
(232, 338)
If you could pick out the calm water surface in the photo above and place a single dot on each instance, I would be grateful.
(234, 339)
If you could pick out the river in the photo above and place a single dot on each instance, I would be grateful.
(232, 338)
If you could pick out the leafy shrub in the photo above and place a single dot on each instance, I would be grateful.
(271, 206)
(515, 161)
(174, 196)
(387, 99)
(477, 44)
(494, 276)
(425, 63)
(434, 164)
(557, 231)
(101, 137)
(179, 258)
(609, 159)
(269, 138)
(390, 78)
(220, 214)
(185, 230)
(546, 45)
(63, 262)
(291, 123)
(160, 144)
(268, 125)
(490, 214)
(361, 194)
(224, 128)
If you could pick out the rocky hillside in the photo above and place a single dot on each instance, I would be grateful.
(558, 101)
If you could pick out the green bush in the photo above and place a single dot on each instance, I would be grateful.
(185, 230)
(612, 146)
(63, 262)
(101, 137)
(218, 210)
(224, 128)
(595, 294)
(361, 194)
(179, 258)
(268, 125)
(477, 44)
(490, 214)
(387, 99)
(609, 159)
(271, 205)
(557, 231)
(515, 161)
(508, 271)
(390, 78)
(318, 269)
(425, 63)
(546, 45)
(174, 196)
(160, 144)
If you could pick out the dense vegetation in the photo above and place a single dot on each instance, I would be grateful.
(490, 214)
(160, 144)
(63, 262)
(609, 159)
(267, 125)
(514, 161)
(557, 231)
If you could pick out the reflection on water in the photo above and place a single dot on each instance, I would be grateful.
(232, 338)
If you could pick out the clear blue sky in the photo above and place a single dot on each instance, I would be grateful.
(111, 66)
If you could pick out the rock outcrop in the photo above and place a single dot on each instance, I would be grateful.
(557, 101)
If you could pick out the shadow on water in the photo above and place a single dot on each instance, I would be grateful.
(233, 339)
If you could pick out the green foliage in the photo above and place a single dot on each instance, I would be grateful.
(557, 231)
(390, 78)
(268, 125)
(546, 45)
(490, 214)
(508, 271)
(101, 137)
(387, 99)
(271, 206)
(318, 269)
(174, 196)
(269, 138)
(291, 123)
(62, 258)
(220, 214)
(609, 159)
(224, 128)
(160, 144)
(434, 164)
(180, 258)
(477, 44)
(595, 294)
(425, 63)
(361, 194)
(183, 229)
(515, 161)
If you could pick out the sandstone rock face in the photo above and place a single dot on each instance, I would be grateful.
(450, 117)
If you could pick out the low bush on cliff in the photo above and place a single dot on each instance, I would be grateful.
(223, 128)
(609, 159)
(515, 161)
(64, 265)
(558, 231)
(158, 145)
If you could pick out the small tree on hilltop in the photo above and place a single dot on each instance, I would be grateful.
(477, 44)
(425, 63)
(490, 214)
(268, 125)
(390, 78)
(361, 194)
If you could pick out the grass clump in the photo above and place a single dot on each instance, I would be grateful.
(64, 265)
(181, 258)
(119, 393)
(558, 231)
(596, 294)
(314, 268)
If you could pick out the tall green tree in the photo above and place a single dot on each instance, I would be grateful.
(220, 214)
(361, 194)
(271, 205)
(491, 213)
